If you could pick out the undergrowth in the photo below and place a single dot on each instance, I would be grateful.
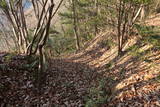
(150, 35)
(97, 95)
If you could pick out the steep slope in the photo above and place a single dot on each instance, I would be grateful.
(134, 76)
(131, 80)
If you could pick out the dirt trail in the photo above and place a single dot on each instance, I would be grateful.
(136, 81)
(65, 83)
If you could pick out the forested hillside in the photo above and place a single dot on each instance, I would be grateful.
(79, 53)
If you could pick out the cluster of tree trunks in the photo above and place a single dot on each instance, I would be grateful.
(44, 12)
(127, 15)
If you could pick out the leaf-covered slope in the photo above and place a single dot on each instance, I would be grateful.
(134, 75)
(132, 79)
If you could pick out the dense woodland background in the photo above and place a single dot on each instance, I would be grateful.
(80, 53)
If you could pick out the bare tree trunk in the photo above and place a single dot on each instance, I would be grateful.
(96, 14)
(75, 25)
(15, 15)
(119, 28)
(142, 13)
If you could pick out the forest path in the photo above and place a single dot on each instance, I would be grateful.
(65, 83)
(133, 80)
(132, 77)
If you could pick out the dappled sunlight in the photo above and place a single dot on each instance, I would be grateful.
(80, 53)
(132, 73)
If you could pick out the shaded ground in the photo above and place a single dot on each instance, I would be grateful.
(133, 78)
(65, 84)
